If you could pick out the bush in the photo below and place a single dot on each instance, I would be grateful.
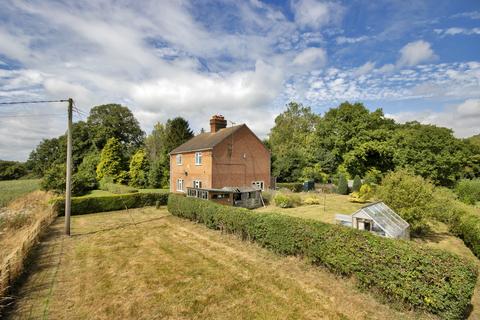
(284, 200)
(267, 197)
(54, 179)
(111, 162)
(292, 186)
(312, 200)
(373, 177)
(357, 183)
(412, 274)
(468, 191)
(410, 196)
(138, 169)
(342, 186)
(362, 196)
(84, 205)
(85, 179)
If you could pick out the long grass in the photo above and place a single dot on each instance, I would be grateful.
(13, 189)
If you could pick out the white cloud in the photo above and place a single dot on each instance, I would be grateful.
(471, 15)
(343, 39)
(316, 14)
(455, 31)
(311, 56)
(365, 68)
(462, 118)
(415, 52)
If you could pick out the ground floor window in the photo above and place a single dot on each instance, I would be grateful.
(197, 184)
(180, 185)
(259, 185)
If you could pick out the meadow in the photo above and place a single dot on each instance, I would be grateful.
(12, 189)
(145, 263)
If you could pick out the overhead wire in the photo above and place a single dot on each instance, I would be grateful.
(17, 115)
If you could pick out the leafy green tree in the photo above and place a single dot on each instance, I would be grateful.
(315, 173)
(138, 169)
(357, 183)
(291, 141)
(54, 178)
(410, 196)
(468, 191)
(177, 132)
(46, 154)
(85, 179)
(11, 170)
(342, 187)
(111, 162)
(114, 121)
(370, 155)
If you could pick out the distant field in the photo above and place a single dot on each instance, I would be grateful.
(102, 193)
(12, 189)
(147, 264)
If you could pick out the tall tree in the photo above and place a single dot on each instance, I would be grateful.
(291, 141)
(46, 154)
(112, 163)
(114, 121)
(177, 132)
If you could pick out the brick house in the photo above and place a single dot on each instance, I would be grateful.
(225, 158)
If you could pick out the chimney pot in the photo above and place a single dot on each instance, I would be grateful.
(217, 122)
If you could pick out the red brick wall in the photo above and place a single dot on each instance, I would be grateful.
(249, 161)
(201, 172)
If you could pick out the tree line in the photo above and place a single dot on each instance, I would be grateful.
(351, 140)
(348, 141)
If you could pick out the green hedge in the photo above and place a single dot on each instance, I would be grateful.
(467, 227)
(83, 205)
(400, 271)
(292, 186)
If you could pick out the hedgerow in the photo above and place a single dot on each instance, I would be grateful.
(84, 205)
(467, 227)
(414, 275)
(292, 186)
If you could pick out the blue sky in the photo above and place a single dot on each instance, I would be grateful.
(418, 60)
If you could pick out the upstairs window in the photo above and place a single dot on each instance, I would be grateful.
(198, 158)
(179, 159)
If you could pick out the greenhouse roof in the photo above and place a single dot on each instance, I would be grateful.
(385, 217)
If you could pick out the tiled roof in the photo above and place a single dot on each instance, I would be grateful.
(205, 141)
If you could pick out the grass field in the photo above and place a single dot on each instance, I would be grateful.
(12, 189)
(103, 193)
(330, 205)
(146, 264)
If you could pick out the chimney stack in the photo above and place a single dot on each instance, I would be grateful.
(217, 122)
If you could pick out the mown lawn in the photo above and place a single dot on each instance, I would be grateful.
(331, 204)
(13, 189)
(147, 264)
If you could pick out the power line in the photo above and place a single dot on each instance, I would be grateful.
(31, 115)
(33, 101)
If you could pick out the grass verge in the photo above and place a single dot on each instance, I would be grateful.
(13, 189)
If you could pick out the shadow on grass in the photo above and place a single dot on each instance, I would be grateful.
(121, 226)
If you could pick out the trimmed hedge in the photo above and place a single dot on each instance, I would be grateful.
(400, 271)
(292, 186)
(84, 205)
(467, 227)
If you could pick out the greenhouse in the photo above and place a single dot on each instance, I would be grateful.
(377, 218)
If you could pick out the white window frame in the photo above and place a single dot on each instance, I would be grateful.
(259, 184)
(179, 159)
(198, 158)
(180, 185)
(197, 184)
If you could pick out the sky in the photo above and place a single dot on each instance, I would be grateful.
(417, 60)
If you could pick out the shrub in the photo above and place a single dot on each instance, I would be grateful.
(267, 197)
(342, 186)
(282, 200)
(54, 179)
(84, 205)
(111, 162)
(468, 191)
(138, 169)
(410, 196)
(357, 183)
(85, 179)
(373, 177)
(310, 200)
(412, 274)
(292, 186)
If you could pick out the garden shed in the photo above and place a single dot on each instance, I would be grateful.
(377, 218)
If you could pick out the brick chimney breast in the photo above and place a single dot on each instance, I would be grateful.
(217, 122)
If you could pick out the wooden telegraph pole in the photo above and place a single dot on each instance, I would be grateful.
(68, 187)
